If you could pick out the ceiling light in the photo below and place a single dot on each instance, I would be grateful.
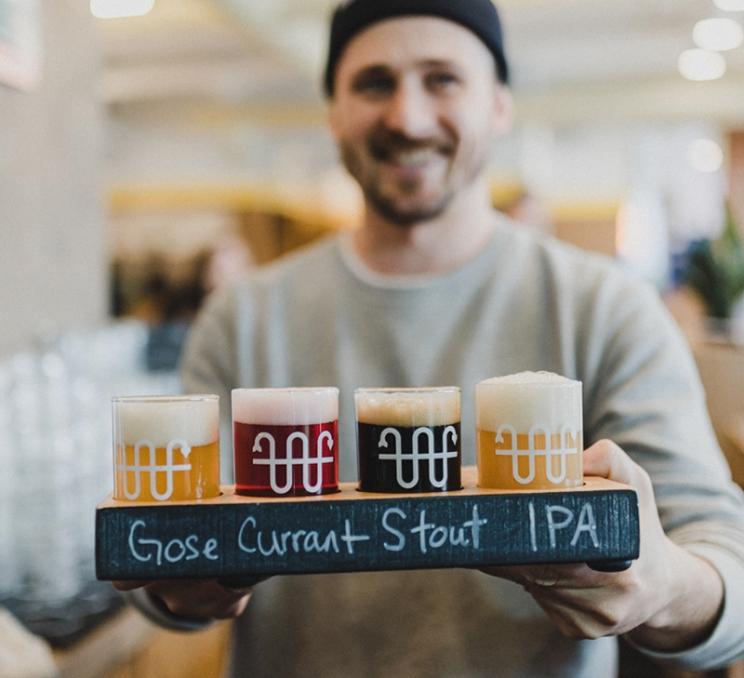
(718, 34)
(701, 64)
(117, 9)
(730, 5)
(705, 155)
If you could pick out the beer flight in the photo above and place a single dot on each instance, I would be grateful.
(529, 437)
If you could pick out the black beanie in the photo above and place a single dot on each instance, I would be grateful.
(353, 16)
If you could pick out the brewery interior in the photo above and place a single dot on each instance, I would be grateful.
(152, 151)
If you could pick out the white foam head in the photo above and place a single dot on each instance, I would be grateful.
(160, 420)
(529, 399)
(285, 406)
(408, 406)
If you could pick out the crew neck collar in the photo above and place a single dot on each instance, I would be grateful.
(362, 272)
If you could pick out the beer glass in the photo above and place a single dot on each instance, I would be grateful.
(166, 448)
(529, 432)
(285, 441)
(408, 439)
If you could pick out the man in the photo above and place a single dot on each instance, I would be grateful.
(437, 288)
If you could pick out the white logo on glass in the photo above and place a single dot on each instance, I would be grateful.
(169, 469)
(532, 453)
(306, 461)
(416, 455)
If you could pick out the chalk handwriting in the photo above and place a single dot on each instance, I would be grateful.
(560, 518)
(172, 551)
(280, 542)
(430, 535)
(407, 530)
(398, 527)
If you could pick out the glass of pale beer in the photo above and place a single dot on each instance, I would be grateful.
(529, 432)
(166, 448)
(285, 441)
(408, 439)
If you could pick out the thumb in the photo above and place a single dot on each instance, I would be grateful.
(607, 460)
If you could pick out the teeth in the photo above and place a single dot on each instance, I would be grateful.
(415, 158)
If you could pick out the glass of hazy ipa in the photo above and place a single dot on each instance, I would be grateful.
(529, 432)
(285, 441)
(166, 448)
(408, 439)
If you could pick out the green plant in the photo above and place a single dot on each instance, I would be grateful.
(715, 270)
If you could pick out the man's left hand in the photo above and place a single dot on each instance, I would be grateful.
(669, 598)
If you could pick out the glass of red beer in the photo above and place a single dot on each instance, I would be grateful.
(285, 441)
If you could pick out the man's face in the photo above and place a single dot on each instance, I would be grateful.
(415, 108)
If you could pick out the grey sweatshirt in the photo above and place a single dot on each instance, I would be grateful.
(321, 318)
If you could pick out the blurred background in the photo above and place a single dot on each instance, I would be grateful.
(152, 150)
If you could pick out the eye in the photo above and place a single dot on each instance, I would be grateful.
(374, 84)
(440, 81)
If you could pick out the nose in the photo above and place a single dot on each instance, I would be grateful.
(410, 111)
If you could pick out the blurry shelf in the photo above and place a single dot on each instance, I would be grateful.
(241, 198)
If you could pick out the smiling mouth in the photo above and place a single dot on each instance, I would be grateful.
(401, 152)
(412, 159)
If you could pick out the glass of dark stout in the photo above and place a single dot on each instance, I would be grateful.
(408, 439)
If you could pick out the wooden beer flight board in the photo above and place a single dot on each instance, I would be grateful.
(233, 536)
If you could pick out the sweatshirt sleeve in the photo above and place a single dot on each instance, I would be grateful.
(156, 612)
(647, 398)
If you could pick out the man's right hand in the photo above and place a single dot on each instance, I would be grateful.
(195, 598)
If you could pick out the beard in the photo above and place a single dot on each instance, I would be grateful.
(382, 146)
(389, 208)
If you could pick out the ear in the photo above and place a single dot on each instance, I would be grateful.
(503, 110)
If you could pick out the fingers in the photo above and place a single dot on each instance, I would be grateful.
(244, 584)
(568, 576)
(581, 602)
(129, 584)
(205, 599)
(234, 610)
(525, 575)
(591, 616)
(198, 598)
(572, 623)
